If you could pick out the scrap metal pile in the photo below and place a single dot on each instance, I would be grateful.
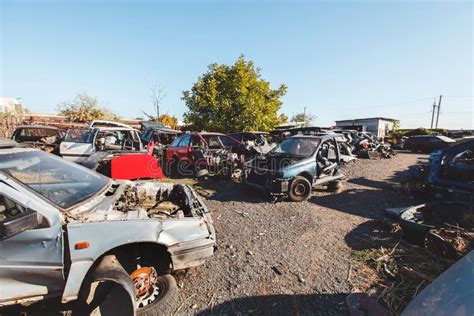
(445, 224)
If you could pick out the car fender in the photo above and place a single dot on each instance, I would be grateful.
(98, 238)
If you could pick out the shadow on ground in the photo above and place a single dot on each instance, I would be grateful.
(307, 304)
(224, 190)
(372, 234)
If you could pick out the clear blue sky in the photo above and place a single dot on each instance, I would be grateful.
(341, 59)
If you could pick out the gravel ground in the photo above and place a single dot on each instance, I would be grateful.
(290, 258)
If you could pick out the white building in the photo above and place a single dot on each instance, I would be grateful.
(378, 126)
(9, 104)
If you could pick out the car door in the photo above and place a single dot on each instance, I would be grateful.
(171, 150)
(183, 149)
(31, 247)
(327, 157)
(78, 144)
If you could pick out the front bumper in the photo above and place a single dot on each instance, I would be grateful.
(273, 185)
(191, 254)
(194, 253)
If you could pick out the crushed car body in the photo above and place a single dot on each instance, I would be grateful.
(116, 152)
(46, 138)
(59, 221)
(80, 143)
(254, 143)
(203, 153)
(296, 165)
(448, 175)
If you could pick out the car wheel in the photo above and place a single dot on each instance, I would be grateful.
(156, 295)
(108, 290)
(300, 189)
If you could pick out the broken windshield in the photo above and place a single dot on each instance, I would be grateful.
(79, 135)
(297, 147)
(62, 182)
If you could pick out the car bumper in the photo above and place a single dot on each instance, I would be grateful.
(273, 186)
(191, 254)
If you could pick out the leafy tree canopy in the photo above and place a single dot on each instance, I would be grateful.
(84, 108)
(169, 120)
(233, 98)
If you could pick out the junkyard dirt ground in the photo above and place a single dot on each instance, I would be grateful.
(291, 258)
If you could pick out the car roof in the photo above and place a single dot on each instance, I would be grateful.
(319, 136)
(251, 132)
(206, 134)
(108, 128)
(165, 130)
(105, 123)
(113, 128)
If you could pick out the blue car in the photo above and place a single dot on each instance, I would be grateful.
(452, 168)
(296, 165)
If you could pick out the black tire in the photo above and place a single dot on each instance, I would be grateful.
(165, 304)
(300, 189)
(335, 186)
(107, 288)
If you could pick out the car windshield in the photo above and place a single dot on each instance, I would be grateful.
(62, 182)
(79, 135)
(298, 147)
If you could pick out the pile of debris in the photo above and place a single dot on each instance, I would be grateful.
(445, 228)
(393, 274)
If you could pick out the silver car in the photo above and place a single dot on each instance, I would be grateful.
(71, 233)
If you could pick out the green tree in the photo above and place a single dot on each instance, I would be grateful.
(169, 120)
(233, 98)
(282, 118)
(307, 118)
(84, 108)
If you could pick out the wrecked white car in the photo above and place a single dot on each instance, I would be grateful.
(81, 143)
(71, 233)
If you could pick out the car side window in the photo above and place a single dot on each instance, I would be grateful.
(237, 136)
(176, 142)
(228, 142)
(16, 218)
(185, 141)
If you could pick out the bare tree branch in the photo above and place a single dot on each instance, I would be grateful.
(157, 94)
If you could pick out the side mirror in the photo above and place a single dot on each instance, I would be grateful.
(19, 223)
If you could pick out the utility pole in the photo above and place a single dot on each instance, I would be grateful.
(433, 113)
(304, 116)
(439, 107)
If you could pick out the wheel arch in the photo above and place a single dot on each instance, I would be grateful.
(150, 250)
(123, 253)
(307, 175)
